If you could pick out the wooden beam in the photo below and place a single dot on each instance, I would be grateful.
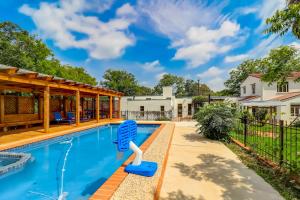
(51, 84)
(2, 109)
(10, 71)
(97, 108)
(77, 107)
(110, 107)
(46, 108)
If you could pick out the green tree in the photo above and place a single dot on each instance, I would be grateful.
(280, 62)
(20, 49)
(238, 75)
(192, 88)
(143, 91)
(121, 81)
(171, 80)
(285, 20)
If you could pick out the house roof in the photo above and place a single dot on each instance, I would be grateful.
(247, 98)
(286, 96)
(292, 75)
(256, 75)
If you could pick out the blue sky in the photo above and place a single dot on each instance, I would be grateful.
(196, 39)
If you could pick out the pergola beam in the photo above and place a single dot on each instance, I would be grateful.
(51, 84)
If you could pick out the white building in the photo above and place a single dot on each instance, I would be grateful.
(283, 101)
(154, 107)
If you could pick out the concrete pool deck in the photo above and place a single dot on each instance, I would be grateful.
(199, 168)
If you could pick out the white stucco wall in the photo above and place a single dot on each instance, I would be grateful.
(247, 83)
(270, 91)
(184, 101)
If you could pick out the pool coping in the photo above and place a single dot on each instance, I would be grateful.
(111, 185)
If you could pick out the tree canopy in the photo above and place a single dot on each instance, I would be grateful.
(238, 75)
(171, 80)
(275, 67)
(285, 20)
(20, 49)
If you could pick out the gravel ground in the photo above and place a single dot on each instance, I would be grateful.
(143, 188)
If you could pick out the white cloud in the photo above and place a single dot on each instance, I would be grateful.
(267, 9)
(248, 10)
(126, 10)
(173, 18)
(160, 75)
(216, 84)
(154, 66)
(62, 22)
(295, 45)
(201, 44)
(236, 58)
(211, 72)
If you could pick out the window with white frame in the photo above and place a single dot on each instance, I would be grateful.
(283, 87)
(295, 110)
(253, 88)
(244, 89)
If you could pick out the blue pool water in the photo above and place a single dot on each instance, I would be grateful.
(91, 160)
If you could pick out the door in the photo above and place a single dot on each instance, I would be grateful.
(179, 110)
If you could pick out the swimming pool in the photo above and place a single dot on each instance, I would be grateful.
(89, 157)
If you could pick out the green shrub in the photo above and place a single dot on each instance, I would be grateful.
(296, 124)
(215, 121)
(261, 115)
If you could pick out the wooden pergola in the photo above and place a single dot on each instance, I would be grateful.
(43, 86)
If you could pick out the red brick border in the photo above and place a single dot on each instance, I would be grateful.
(106, 191)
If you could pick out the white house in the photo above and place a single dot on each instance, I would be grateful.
(139, 107)
(283, 101)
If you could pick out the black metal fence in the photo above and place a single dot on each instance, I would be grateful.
(274, 141)
(147, 115)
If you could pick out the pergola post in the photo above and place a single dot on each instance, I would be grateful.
(119, 115)
(2, 108)
(97, 108)
(77, 107)
(110, 107)
(46, 108)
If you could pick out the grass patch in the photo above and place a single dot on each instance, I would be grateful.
(279, 180)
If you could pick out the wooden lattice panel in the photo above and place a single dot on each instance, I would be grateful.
(10, 103)
(25, 105)
(55, 105)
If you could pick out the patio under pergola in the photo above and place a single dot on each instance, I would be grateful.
(29, 98)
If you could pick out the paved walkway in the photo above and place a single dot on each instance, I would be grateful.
(199, 169)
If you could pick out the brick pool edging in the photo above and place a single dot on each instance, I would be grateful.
(106, 191)
(164, 166)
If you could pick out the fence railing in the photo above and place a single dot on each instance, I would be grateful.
(147, 115)
(275, 141)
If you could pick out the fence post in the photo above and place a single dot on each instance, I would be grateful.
(281, 139)
(245, 129)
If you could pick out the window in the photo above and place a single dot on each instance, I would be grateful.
(244, 89)
(162, 108)
(142, 109)
(295, 110)
(253, 88)
(189, 109)
(179, 110)
(284, 87)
